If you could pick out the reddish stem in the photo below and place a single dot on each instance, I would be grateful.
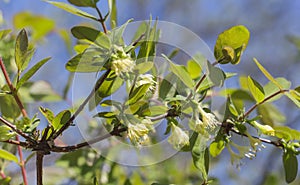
(24, 113)
(3, 176)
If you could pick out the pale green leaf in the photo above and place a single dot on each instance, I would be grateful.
(4, 33)
(290, 164)
(83, 32)
(181, 72)
(84, 3)
(8, 156)
(194, 69)
(61, 119)
(21, 49)
(256, 90)
(72, 9)
(113, 13)
(216, 75)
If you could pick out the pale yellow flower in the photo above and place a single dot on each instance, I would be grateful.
(124, 65)
(209, 120)
(178, 137)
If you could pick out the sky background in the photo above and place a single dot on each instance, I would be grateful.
(269, 22)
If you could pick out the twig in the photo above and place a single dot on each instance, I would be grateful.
(80, 108)
(101, 20)
(266, 99)
(24, 113)
(87, 143)
(3, 176)
(39, 167)
(14, 142)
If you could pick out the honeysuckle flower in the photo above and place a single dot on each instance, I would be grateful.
(209, 120)
(138, 133)
(264, 129)
(178, 137)
(254, 143)
(123, 65)
(146, 79)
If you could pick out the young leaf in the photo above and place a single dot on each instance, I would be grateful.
(216, 75)
(4, 33)
(8, 156)
(61, 119)
(256, 90)
(5, 133)
(138, 93)
(84, 3)
(48, 114)
(267, 74)
(194, 69)
(290, 164)
(235, 38)
(200, 156)
(8, 106)
(83, 32)
(72, 9)
(216, 147)
(181, 72)
(21, 49)
(31, 72)
(113, 13)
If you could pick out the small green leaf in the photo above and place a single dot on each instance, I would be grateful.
(138, 93)
(167, 88)
(216, 75)
(296, 93)
(216, 147)
(21, 49)
(235, 38)
(286, 133)
(83, 32)
(256, 90)
(31, 72)
(113, 13)
(72, 9)
(8, 156)
(110, 85)
(84, 3)
(200, 156)
(290, 164)
(47, 113)
(4, 33)
(267, 74)
(5, 133)
(181, 72)
(8, 106)
(293, 98)
(194, 69)
(143, 67)
(61, 119)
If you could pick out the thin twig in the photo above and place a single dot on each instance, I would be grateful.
(266, 99)
(81, 107)
(14, 142)
(24, 113)
(2, 175)
(87, 143)
(39, 167)
(101, 20)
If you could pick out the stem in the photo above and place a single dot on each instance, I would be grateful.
(87, 143)
(266, 99)
(101, 20)
(39, 167)
(14, 142)
(3, 176)
(24, 113)
(80, 108)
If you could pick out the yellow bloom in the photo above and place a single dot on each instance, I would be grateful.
(124, 65)
(209, 120)
(178, 137)
(138, 133)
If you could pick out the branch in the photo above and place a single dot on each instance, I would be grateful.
(115, 132)
(266, 99)
(19, 143)
(24, 113)
(39, 167)
(80, 108)
(101, 20)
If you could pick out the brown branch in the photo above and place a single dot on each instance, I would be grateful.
(101, 20)
(39, 167)
(80, 108)
(115, 132)
(19, 143)
(24, 113)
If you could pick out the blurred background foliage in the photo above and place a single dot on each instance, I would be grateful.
(275, 41)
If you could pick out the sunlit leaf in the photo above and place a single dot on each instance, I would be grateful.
(286, 133)
(8, 156)
(138, 93)
(181, 72)
(61, 119)
(31, 72)
(6, 133)
(72, 9)
(235, 38)
(194, 69)
(21, 49)
(143, 67)
(216, 148)
(256, 90)
(83, 32)
(8, 106)
(4, 33)
(216, 75)
(113, 13)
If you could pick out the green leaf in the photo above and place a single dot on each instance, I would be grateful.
(31, 72)
(296, 93)
(235, 38)
(194, 69)
(8, 106)
(61, 119)
(293, 98)
(181, 72)
(216, 75)
(39, 25)
(143, 67)
(216, 147)
(267, 74)
(167, 88)
(256, 90)
(8, 156)
(5, 133)
(84, 3)
(286, 133)
(72, 9)
(138, 93)
(83, 32)
(290, 164)
(200, 156)
(91, 60)
(110, 85)
(270, 88)
(21, 49)
(4, 33)
(47, 113)
(270, 114)
(113, 13)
